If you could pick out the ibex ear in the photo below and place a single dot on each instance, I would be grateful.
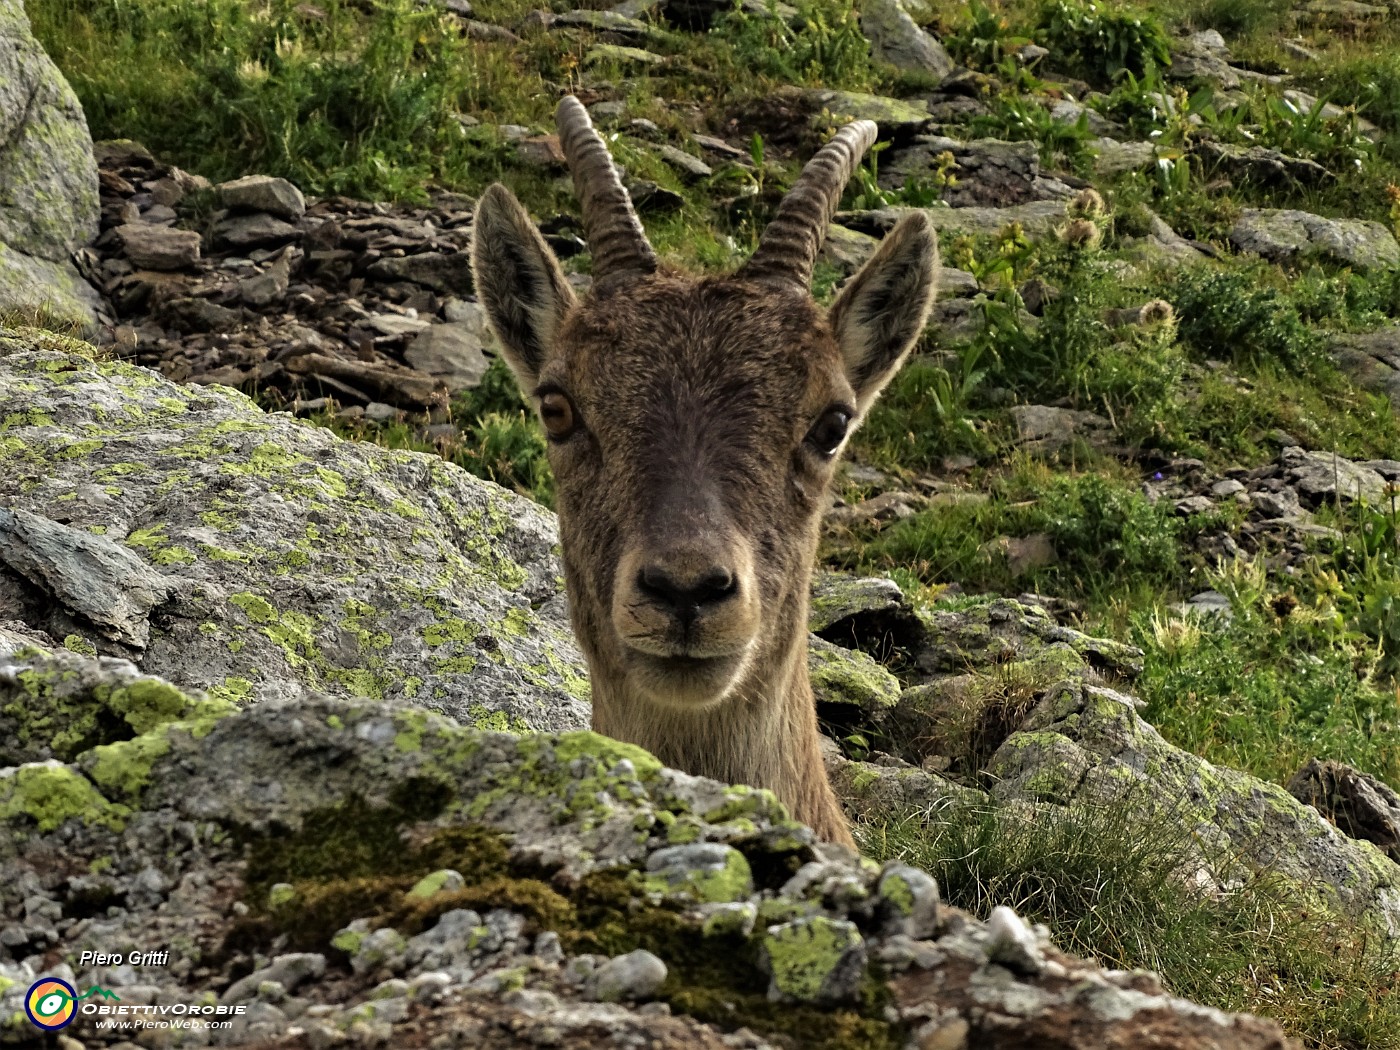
(519, 282)
(881, 311)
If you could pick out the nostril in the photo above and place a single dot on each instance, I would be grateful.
(714, 586)
(657, 585)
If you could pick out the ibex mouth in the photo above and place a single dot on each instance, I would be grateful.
(687, 681)
(687, 664)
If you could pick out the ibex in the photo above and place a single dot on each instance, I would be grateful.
(693, 427)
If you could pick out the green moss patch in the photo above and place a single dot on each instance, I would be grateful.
(47, 795)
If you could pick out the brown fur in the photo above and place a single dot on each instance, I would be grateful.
(693, 400)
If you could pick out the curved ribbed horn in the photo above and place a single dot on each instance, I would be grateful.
(788, 248)
(614, 234)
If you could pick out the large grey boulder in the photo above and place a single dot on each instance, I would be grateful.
(256, 556)
(48, 179)
(1372, 359)
(897, 39)
(1285, 235)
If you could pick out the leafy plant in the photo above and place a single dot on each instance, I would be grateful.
(1287, 677)
(824, 45)
(918, 191)
(509, 449)
(1105, 534)
(986, 38)
(339, 103)
(1368, 571)
(1171, 173)
(1019, 119)
(1307, 131)
(1235, 314)
(1099, 41)
(501, 441)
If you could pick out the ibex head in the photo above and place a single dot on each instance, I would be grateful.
(694, 424)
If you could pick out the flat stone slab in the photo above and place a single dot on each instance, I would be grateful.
(452, 352)
(264, 193)
(893, 115)
(1038, 219)
(1321, 477)
(90, 574)
(1285, 235)
(159, 247)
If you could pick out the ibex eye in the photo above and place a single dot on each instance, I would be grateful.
(557, 414)
(829, 431)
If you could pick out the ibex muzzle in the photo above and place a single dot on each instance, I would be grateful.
(694, 425)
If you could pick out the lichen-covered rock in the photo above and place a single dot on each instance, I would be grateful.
(894, 116)
(1002, 630)
(990, 173)
(851, 679)
(814, 960)
(1359, 804)
(48, 178)
(1286, 235)
(869, 613)
(1037, 219)
(706, 871)
(1085, 744)
(28, 283)
(897, 39)
(910, 899)
(277, 849)
(48, 206)
(1011, 699)
(252, 555)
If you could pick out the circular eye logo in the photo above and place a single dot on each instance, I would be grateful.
(49, 1003)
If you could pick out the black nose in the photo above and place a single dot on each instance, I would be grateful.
(686, 599)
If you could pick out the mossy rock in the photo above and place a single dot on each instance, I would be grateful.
(292, 559)
(1085, 744)
(850, 680)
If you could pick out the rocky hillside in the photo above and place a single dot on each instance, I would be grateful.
(1106, 631)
